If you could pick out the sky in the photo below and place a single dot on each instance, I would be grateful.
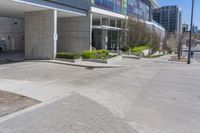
(185, 5)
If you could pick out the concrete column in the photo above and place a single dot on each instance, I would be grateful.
(41, 34)
(91, 18)
(104, 39)
(74, 33)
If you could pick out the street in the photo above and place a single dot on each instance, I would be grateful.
(143, 96)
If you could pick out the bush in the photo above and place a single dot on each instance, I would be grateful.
(96, 54)
(125, 48)
(66, 55)
(89, 55)
(140, 49)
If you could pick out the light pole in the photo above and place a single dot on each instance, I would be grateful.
(190, 41)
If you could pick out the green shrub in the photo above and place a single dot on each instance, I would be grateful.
(125, 48)
(96, 54)
(102, 54)
(66, 55)
(89, 55)
(139, 49)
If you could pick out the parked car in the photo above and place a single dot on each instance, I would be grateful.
(2, 45)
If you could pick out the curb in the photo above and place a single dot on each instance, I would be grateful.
(73, 64)
(131, 57)
(174, 62)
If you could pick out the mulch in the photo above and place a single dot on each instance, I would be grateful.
(10, 103)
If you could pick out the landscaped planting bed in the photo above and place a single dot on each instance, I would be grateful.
(10, 103)
(69, 57)
(99, 56)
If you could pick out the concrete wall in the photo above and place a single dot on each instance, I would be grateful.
(12, 31)
(40, 34)
(74, 34)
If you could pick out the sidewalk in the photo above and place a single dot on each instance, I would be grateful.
(145, 94)
(165, 59)
(73, 114)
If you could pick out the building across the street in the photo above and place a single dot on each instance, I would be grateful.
(195, 29)
(170, 17)
(185, 27)
(41, 28)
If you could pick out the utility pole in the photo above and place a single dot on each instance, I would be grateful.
(190, 41)
(179, 46)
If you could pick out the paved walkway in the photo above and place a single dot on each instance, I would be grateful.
(142, 97)
(73, 114)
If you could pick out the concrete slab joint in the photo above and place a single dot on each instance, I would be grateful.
(41, 34)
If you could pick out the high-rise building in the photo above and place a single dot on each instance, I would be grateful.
(170, 17)
(198, 32)
(195, 29)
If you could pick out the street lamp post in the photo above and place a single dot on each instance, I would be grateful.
(190, 41)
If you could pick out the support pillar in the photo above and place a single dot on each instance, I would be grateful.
(74, 33)
(104, 39)
(41, 34)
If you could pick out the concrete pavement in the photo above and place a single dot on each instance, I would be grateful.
(144, 97)
(73, 114)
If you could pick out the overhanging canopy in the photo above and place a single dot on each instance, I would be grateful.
(17, 8)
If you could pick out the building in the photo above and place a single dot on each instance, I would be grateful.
(198, 31)
(154, 4)
(195, 29)
(185, 27)
(109, 16)
(170, 17)
(41, 28)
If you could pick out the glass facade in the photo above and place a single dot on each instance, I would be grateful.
(80, 4)
(136, 8)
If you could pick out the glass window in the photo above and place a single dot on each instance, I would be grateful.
(112, 22)
(136, 8)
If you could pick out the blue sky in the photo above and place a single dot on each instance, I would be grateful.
(185, 5)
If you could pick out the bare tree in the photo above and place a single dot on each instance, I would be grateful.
(137, 33)
(132, 36)
(172, 41)
(180, 43)
(155, 40)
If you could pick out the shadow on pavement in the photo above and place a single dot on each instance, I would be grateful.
(7, 57)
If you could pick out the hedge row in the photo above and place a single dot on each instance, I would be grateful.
(66, 55)
(139, 49)
(94, 54)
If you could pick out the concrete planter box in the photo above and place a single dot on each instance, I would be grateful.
(69, 60)
(114, 59)
(146, 52)
(131, 56)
